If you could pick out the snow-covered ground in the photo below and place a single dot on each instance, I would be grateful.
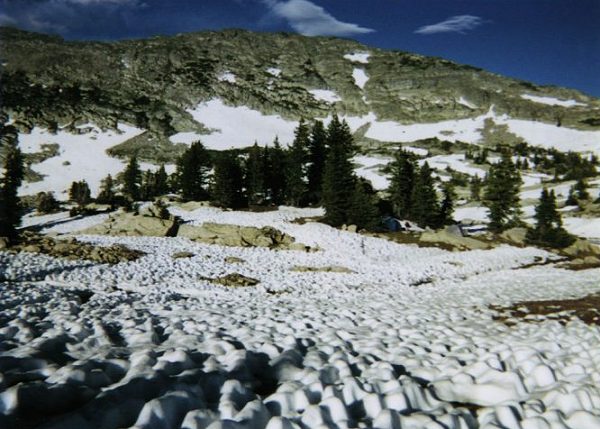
(81, 157)
(360, 77)
(405, 341)
(358, 57)
(325, 95)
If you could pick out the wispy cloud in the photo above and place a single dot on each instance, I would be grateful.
(455, 24)
(310, 19)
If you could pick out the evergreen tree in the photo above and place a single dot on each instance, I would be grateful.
(228, 182)
(161, 181)
(79, 193)
(46, 203)
(295, 166)
(548, 230)
(132, 178)
(317, 153)
(148, 186)
(581, 189)
(107, 194)
(447, 206)
(275, 172)
(364, 211)
(402, 182)
(424, 204)
(10, 206)
(255, 176)
(475, 186)
(338, 177)
(501, 196)
(571, 198)
(192, 172)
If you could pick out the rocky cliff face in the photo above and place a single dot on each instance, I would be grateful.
(150, 83)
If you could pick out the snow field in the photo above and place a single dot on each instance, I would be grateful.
(325, 95)
(358, 57)
(360, 77)
(157, 346)
(552, 101)
(85, 154)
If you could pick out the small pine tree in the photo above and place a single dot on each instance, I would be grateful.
(46, 203)
(364, 211)
(107, 194)
(475, 186)
(148, 186)
(79, 193)
(548, 230)
(447, 206)
(424, 204)
(581, 188)
(274, 173)
(255, 176)
(501, 196)
(317, 154)
(295, 166)
(401, 184)
(132, 178)
(192, 172)
(161, 181)
(571, 198)
(10, 206)
(228, 182)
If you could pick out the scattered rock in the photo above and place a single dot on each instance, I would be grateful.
(4, 243)
(182, 255)
(448, 238)
(515, 236)
(234, 280)
(132, 225)
(326, 269)
(73, 249)
(580, 248)
(239, 236)
(234, 260)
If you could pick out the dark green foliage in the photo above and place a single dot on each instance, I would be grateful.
(10, 207)
(255, 172)
(501, 195)
(107, 194)
(338, 178)
(79, 193)
(317, 153)
(46, 203)
(192, 173)
(295, 166)
(446, 206)
(161, 181)
(571, 198)
(275, 172)
(132, 178)
(424, 205)
(548, 230)
(228, 182)
(364, 211)
(402, 182)
(581, 189)
(475, 186)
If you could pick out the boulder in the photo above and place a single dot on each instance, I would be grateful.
(446, 238)
(182, 255)
(234, 280)
(131, 225)
(515, 236)
(234, 260)
(581, 247)
(239, 236)
(326, 269)
(4, 243)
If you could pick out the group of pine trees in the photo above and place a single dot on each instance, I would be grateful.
(413, 195)
(10, 206)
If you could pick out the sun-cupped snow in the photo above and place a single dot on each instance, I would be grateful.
(227, 76)
(274, 71)
(358, 57)
(81, 157)
(407, 339)
(240, 126)
(456, 162)
(583, 227)
(552, 101)
(325, 95)
(360, 77)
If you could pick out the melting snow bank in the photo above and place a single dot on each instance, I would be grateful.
(551, 101)
(150, 343)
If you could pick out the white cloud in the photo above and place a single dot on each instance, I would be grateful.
(454, 24)
(6, 20)
(311, 20)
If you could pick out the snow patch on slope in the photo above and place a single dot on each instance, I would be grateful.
(360, 77)
(466, 103)
(358, 57)
(325, 95)
(238, 127)
(551, 101)
(227, 76)
(85, 154)
(274, 71)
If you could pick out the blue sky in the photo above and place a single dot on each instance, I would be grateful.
(544, 41)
